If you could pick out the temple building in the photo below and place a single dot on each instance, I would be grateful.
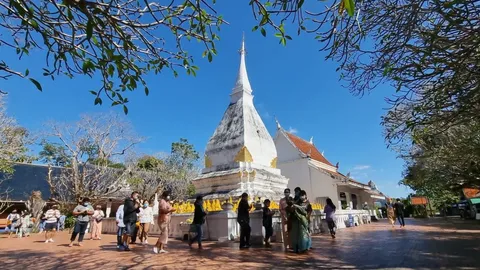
(308, 169)
(241, 155)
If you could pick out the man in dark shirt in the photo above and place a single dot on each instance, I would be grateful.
(131, 208)
(198, 221)
(243, 218)
(267, 222)
(399, 212)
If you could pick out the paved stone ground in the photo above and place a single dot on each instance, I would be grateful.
(423, 244)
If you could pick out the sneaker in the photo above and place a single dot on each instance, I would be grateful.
(80, 244)
(163, 251)
(155, 250)
(70, 245)
(48, 240)
(146, 242)
(51, 240)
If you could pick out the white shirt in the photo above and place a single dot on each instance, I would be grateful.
(97, 214)
(119, 217)
(146, 215)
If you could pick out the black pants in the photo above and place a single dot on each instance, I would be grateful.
(331, 226)
(135, 233)
(79, 229)
(401, 219)
(268, 233)
(245, 231)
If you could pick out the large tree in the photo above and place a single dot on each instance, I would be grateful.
(119, 41)
(13, 148)
(151, 175)
(92, 150)
(428, 50)
(13, 140)
(439, 165)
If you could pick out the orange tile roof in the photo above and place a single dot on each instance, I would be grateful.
(307, 148)
(471, 192)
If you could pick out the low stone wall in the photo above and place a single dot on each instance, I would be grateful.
(223, 226)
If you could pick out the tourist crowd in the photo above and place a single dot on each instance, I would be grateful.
(135, 217)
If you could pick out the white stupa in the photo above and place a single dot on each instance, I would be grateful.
(241, 155)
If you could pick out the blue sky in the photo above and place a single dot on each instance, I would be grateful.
(293, 83)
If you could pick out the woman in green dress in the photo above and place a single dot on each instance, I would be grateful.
(299, 231)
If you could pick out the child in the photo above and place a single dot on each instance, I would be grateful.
(267, 222)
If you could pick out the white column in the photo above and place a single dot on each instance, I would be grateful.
(348, 198)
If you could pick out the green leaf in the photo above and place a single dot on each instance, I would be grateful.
(95, 40)
(111, 70)
(125, 109)
(210, 57)
(69, 14)
(255, 28)
(33, 23)
(89, 28)
(350, 7)
(300, 4)
(283, 41)
(27, 72)
(278, 35)
(37, 84)
(264, 33)
(147, 91)
(98, 101)
(93, 93)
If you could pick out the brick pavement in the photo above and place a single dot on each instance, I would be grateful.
(424, 244)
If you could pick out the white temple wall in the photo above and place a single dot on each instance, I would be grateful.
(285, 150)
(323, 185)
(297, 172)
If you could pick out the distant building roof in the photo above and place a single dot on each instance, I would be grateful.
(27, 178)
(307, 148)
(471, 192)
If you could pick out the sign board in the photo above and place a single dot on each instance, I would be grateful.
(419, 200)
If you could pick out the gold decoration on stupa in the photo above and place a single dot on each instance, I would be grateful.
(215, 205)
(273, 163)
(244, 155)
(208, 162)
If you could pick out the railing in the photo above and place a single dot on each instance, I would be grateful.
(223, 225)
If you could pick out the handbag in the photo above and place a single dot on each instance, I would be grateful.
(99, 219)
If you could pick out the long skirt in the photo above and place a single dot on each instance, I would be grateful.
(163, 238)
(300, 239)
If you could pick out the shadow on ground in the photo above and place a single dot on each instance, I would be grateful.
(369, 247)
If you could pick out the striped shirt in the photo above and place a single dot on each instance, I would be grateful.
(52, 216)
